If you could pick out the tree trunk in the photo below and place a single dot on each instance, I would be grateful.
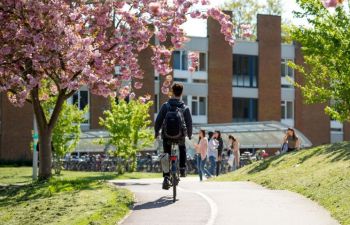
(45, 128)
(45, 154)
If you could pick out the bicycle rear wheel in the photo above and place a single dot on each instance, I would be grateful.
(174, 181)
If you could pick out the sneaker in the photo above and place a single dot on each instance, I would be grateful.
(166, 184)
(183, 172)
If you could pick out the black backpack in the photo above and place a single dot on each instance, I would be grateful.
(174, 126)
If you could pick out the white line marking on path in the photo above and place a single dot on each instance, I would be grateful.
(212, 204)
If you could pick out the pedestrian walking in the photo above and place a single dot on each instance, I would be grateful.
(292, 140)
(202, 154)
(212, 152)
(220, 149)
(234, 146)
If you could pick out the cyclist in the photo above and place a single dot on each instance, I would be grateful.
(175, 121)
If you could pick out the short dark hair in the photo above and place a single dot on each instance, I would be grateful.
(177, 89)
(210, 134)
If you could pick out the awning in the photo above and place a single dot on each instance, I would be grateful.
(89, 141)
(251, 135)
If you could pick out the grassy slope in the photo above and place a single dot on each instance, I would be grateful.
(321, 174)
(73, 198)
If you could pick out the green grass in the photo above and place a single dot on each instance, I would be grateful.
(321, 174)
(75, 198)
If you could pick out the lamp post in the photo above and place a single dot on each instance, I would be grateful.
(35, 152)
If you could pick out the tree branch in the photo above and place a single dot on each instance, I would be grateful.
(38, 110)
(56, 110)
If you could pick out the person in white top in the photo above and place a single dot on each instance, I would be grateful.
(212, 152)
(202, 154)
(234, 146)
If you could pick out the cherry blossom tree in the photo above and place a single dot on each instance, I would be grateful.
(53, 47)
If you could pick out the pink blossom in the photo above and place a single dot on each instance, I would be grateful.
(59, 44)
(132, 95)
(330, 3)
(191, 69)
(165, 90)
(169, 78)
(154, 8)
(166, 83)
(138, 85)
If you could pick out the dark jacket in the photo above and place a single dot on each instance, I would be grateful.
(221, 145)
(163, 111)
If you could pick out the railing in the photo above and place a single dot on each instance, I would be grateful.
(147, 163)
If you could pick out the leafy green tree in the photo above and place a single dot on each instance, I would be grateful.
(286, 35)
(66, 133)
(326, 50)
(244, 15)
(128, 126)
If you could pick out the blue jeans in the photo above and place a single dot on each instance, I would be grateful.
(201, 167)
(212, 162)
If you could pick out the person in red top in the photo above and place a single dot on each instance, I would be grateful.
(264, 154)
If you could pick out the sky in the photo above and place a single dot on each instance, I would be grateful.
(198, 28)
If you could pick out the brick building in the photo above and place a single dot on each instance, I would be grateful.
(240, 84)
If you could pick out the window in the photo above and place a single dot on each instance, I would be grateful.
(245, 71)
(202, 61)
(245, 110)
(285, 69)
(177, 60)
(287, 110)
(336, 130)
(185, 99)
(182, 80)
(81, 99)
(181, 62)
(199, 81)
(184, 60)
(199, 106)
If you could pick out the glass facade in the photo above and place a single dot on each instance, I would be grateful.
(287, 110)
(199, 106)
(245, 71)
(181, 62)
(245, 110)
(285, 69)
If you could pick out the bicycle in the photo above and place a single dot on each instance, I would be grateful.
(174, 172)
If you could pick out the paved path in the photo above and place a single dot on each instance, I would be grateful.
(220, 203)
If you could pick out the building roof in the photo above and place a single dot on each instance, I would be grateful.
(251, 135)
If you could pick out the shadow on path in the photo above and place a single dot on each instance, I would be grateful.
(159, 203)
(123, 184)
